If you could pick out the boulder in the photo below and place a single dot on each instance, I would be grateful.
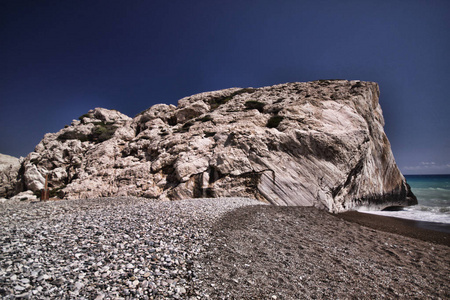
(317, 143)
(9, 172)
(24, 196)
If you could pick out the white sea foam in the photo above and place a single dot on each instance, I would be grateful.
(418, 213)
(433, 195)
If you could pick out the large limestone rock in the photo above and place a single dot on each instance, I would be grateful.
(9, 171)
(315, 144)
(24, 196)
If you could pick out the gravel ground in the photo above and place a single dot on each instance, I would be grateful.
(133, 248)
(107, 248)
(270, 252)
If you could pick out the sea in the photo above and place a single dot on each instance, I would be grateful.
(433, 196)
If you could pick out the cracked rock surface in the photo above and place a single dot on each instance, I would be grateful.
(319, 143)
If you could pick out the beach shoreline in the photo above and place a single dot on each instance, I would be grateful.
(437, 233)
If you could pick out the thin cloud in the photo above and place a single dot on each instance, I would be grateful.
(426, 166)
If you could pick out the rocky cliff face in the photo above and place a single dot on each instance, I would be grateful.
(314, 144)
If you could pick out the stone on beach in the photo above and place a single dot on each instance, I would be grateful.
(124, 247)
(52, 249)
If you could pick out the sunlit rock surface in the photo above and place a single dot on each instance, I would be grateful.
(9, 170)
(318, 143)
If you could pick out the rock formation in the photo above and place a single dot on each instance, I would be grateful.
(319, 144)
(9, 169)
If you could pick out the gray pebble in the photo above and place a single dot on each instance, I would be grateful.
(108, 248)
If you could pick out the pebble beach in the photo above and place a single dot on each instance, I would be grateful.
(109, 248)
(230, 248)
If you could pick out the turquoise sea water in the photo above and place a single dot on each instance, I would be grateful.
(433, 195)
(432, 191)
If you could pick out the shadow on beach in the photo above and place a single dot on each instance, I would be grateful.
(264, 252)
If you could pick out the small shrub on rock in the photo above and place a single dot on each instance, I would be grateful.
(102, 133)
(84, 116)
(274, 121)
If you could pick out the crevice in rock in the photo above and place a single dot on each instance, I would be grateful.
(172, 121)
(152, 154)
(214, 175)
(137, 131)
(350, 179)
(218, 101)
(171, 177)
(354, 172)
(198, 190)
(335, 191)
(230, 140)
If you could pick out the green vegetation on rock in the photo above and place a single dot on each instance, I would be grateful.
(100, 133)
(274, 121)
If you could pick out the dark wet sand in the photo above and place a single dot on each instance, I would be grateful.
(268, 252)
(436, 233)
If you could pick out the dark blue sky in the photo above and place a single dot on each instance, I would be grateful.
(58, 59)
